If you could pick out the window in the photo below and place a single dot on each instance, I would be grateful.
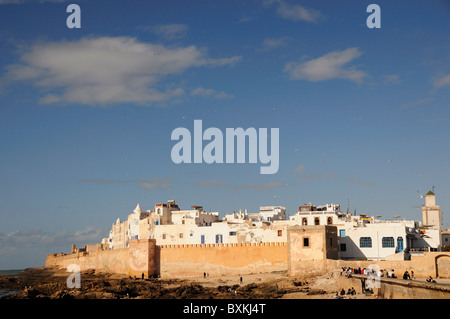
(181, 235)
(305, 241)
(343, 247)
(342, 233)
(304, 221)
(365, 242)
(232, 233)
(202, 239)
(163, 236)
(156, 222)
(316, 221)
(329, 221)
(218, 239)
(387, 242)
(280, 232)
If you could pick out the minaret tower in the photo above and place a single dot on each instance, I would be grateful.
(431, 213)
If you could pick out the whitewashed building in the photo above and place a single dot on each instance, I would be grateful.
(360, 237)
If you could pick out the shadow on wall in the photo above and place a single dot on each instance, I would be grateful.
(157, 261)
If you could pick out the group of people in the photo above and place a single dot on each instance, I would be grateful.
(348, 272)
(350, 291)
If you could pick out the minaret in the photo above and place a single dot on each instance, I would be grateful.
(431, 213)
(138, 209)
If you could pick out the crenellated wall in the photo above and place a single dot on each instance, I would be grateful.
(315, 256)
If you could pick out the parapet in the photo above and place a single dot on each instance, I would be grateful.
(222, 245)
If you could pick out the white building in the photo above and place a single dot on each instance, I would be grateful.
(270, 213)
(360, 237)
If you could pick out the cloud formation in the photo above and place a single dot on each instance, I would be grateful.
(294, 12)
(210, 93)
(442, 81)
(264, 186)
(327, 67)
(313, 177)
(168, 31)
(35, 237)
(417, 103)
(274, 42)
(299, 169)
(102, 71)
(145, 184)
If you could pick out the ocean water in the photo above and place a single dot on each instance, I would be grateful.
(10, 272)
(4, 292)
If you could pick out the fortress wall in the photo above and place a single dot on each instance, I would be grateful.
(141, 257)
(113, 261)
(218, 259)
(144, 256)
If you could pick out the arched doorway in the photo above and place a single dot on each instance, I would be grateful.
(442, 264)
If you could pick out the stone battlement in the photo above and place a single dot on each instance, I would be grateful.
(222, 245)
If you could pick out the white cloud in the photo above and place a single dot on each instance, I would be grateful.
(263, 186)
(107, 70)
(391, 78)
(273, 43)
(312, 177)
(168, 31)
(299, 169)
(210, 93)
(145, 184)
(295, 12)
(12, 242)
(417, 103)
(442, 81)
(327, 67)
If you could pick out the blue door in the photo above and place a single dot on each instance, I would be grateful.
(202, 239)
(400, 244)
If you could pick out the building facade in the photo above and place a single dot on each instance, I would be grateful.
(359, 237)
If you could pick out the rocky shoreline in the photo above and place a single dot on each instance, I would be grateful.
(47, 283)
(44, 283)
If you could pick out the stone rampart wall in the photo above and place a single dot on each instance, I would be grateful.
(217, 259)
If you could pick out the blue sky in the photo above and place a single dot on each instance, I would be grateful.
(86, 114)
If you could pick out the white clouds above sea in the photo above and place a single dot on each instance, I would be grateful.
(11, 243)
